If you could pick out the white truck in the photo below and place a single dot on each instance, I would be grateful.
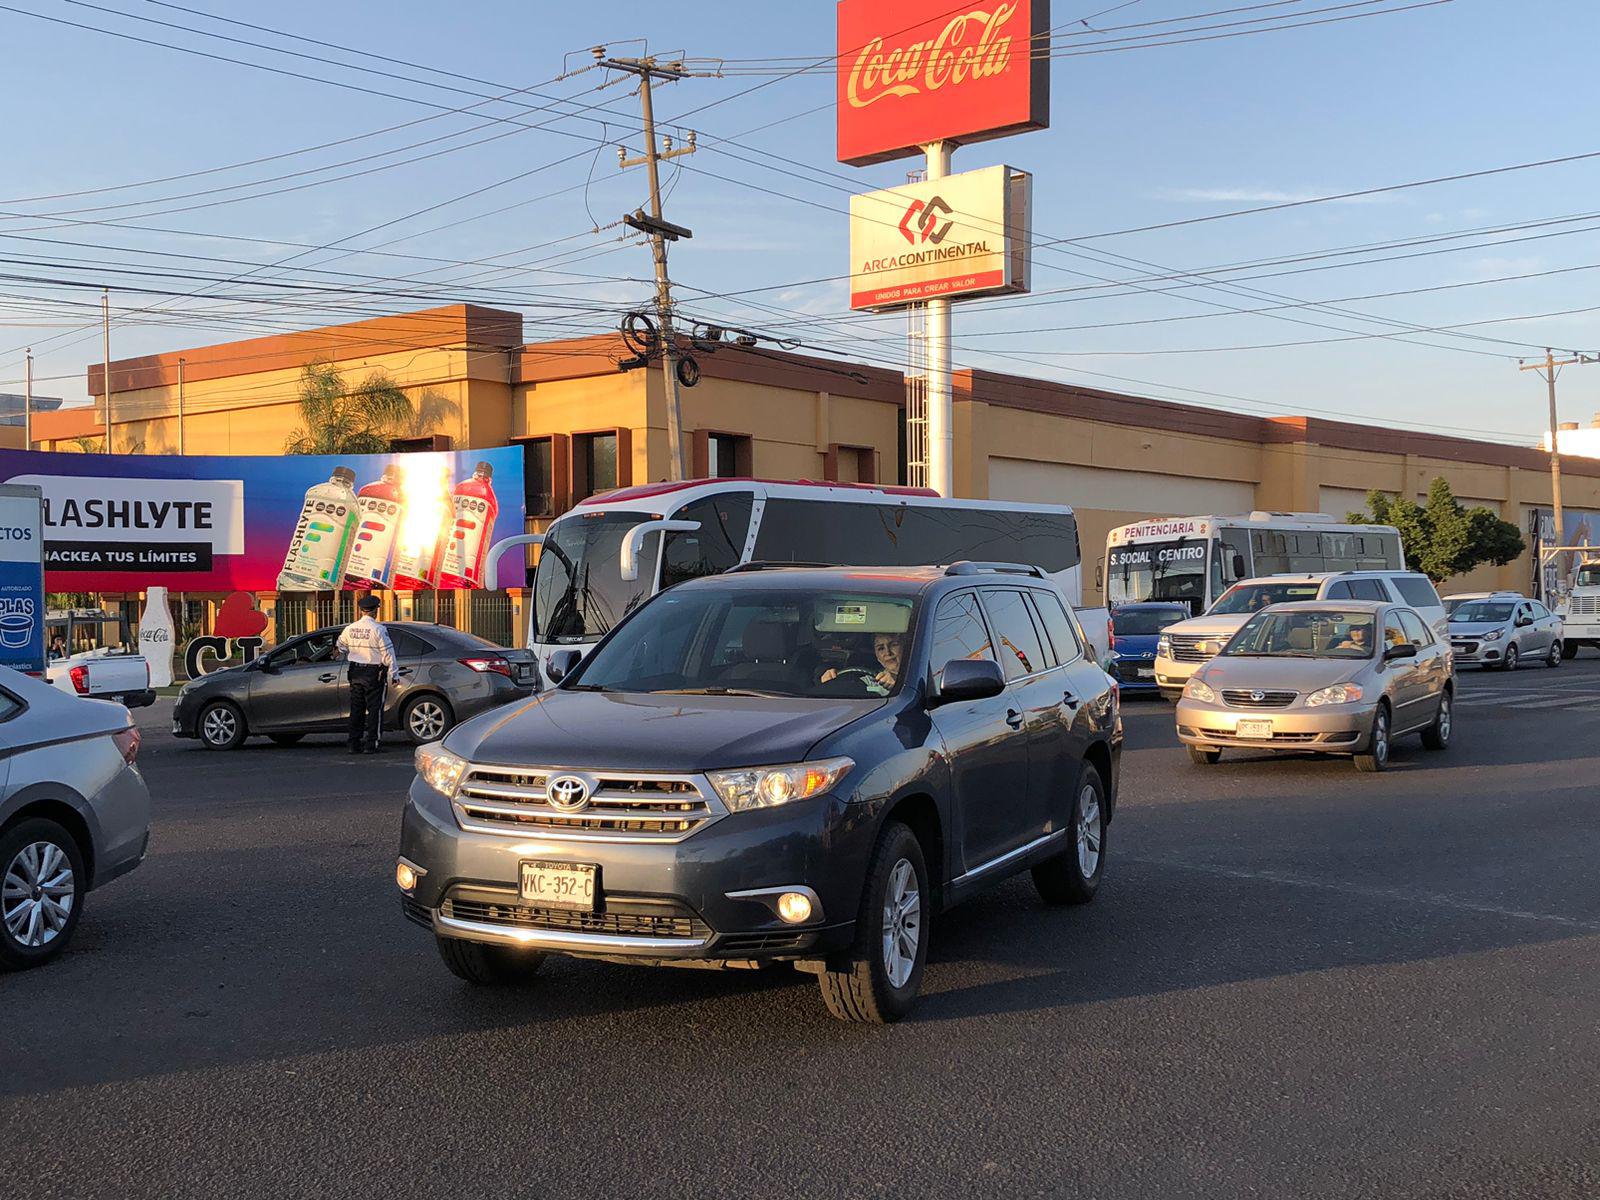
(85, 657)
(1580, 610)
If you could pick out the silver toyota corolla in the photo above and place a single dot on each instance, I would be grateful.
(74, 812)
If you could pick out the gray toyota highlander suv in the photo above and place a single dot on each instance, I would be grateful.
(776, 764)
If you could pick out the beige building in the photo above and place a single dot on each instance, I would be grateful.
(587, 426)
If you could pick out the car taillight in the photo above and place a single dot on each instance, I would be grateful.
(127, 741)
(1111, 635)
(498, 666)
(80, 679)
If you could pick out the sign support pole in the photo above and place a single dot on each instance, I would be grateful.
(940, 405)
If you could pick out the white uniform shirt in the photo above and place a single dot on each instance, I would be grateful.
(367, 641)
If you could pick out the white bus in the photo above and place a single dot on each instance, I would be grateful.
(1196, 559)
(613, 551)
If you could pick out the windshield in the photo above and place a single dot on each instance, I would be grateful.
(1252, 597)
(1319, 633)
(767, 642)
(1482, 610)
(578, 591)
(1588, 575)
(1145, 622)
(1173, 570)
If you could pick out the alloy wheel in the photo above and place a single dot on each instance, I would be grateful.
(219, 725)
(36, 894)
(902, 923)
(1444, 718)
(427, 720)
(1380, 737)
(1512, 654)
(1089, 832)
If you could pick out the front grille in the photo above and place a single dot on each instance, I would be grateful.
(1229, 735)
(756, 943)
(1186, 646)
(1128, 670)
(416, 911)
(1584, 606)
(621, 806)
(1247, 698)
(1464, 647)
(671, 922)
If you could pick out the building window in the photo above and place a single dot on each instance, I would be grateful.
(595, 455)
(724, 455)
(540, 482)
(429, 443)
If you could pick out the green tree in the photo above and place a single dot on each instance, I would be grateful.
(337, 419)
(1441, 538)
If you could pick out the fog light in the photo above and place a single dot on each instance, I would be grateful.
(405, 876)
(794, 907)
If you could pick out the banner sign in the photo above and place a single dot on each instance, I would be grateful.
(911, 72)
(21, 579)
(963, 235)
(295, 523)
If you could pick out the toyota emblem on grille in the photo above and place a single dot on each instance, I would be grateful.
(569, 793)
(1258, 696)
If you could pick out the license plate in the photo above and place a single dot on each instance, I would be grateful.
(558, 885)
(1146, 672)
(1255, 729)
(524, 672)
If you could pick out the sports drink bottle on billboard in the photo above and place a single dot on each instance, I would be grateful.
(322, 536)
(430, 508)
(475, 511)
(372, 557)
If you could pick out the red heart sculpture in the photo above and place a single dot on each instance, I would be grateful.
(239, 617)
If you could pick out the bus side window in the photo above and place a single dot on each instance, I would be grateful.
(713, 548)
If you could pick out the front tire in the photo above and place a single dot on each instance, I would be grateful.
(1073, 877)
(220, 725)
(1557, 653)
(1204, 758)
(488, 966)
(1513, 656)
(1569, 650)
(427, 718)
(1437, 735)
(1377, 756)
(883, 976)
(42, 885)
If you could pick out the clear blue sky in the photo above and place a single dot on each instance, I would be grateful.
(1143, 137)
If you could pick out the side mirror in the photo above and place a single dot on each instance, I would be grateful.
(562, 663)
(1237, 563)
(1403, 650)
(1524, 620)
(968, 679)
(267, 666)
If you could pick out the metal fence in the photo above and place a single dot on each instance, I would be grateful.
(291, 620)
(491, 617)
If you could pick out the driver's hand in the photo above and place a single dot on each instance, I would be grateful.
(885, 677)
(829, 675)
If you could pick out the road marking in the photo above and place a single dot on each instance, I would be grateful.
(1531, 699)
(1375, 893)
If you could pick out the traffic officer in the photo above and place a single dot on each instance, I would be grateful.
(370, 655)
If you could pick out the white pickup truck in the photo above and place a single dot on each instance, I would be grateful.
(103, 675)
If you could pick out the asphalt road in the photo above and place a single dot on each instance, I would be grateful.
(1297, 981)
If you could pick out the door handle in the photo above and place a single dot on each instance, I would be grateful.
(1013, 718)
(1069, 700)
(329, 677)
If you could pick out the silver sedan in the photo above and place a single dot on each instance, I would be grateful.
(74, 812)
(1501, 631)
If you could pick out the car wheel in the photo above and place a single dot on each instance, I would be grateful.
(221, 725)
(426, 718)
(1073, 877)
(42, 884)
(881, 980)
(1553, 659)
(1377, 756)
(1437, 735)
(1204, 758)
(488, 966)
(1509, 662)
(286, 739)
(1569, 650)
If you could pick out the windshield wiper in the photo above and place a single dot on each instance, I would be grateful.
(717, 691)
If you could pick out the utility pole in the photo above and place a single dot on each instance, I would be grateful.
(105, 316)
(1548, 369)
(940, 403)
(27, 403)
(648, 70)
(180, 406)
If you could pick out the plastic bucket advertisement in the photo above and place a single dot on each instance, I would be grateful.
(296, 523)
(21, 579)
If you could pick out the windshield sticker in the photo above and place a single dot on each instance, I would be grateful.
(850, 614)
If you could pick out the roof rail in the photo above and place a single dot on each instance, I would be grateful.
(775, 565)
(1005, 568)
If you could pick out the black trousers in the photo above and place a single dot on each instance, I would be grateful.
(367, 682)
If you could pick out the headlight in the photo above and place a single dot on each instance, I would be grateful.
(1164, 646)
(767, 787)
(1339, 693)
(440, 769)
(1198, 689)
(1494, 635)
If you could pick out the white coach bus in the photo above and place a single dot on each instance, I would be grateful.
(1196, 559)
(613, 551)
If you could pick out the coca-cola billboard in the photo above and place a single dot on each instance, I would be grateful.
(911, 72)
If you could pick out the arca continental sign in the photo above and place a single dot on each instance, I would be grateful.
(911, 72)
(963, 235)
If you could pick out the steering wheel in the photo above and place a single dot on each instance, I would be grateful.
(864, 677)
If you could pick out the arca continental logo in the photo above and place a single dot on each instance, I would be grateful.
(970, 47)
(926, 214)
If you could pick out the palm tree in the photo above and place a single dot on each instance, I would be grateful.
(335, 419)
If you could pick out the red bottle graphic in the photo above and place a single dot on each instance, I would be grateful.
(372, 557)
(426, 527)
(475, 512)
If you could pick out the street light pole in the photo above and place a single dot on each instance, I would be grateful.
(105, 315)
(180, 406)
(27, 403)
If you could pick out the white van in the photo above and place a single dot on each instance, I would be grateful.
(1188, 645)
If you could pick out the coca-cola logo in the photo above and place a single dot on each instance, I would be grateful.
(971, 46)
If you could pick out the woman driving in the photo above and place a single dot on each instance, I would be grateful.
(889, 650)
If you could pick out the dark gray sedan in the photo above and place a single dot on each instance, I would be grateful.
(301, 686)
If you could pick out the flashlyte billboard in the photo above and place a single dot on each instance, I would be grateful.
(301, 523)
(963, 235)
(911, 72)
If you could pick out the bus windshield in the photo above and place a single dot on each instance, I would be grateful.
(578, 590)
(1171, 570)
